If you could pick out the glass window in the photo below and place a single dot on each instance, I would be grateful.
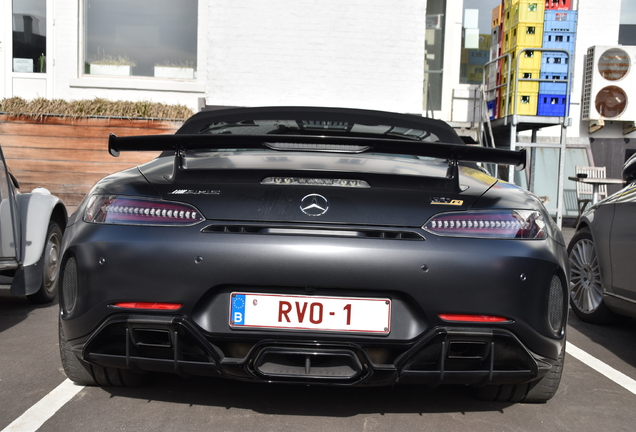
(29, 36)
(476, 39)
(141, 37)
(434, 61)
(627, 27)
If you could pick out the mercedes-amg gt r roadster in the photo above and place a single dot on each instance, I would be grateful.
(320, 246)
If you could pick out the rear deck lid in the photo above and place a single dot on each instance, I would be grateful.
(366, 189)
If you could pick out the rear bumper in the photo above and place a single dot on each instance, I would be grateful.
(423, 279)
(442, 355)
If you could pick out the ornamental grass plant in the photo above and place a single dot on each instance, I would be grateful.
(97, 107)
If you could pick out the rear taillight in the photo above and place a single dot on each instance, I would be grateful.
(109, 209)
(503, 224)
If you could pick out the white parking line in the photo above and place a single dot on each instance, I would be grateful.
(611, 373)
(35, 416)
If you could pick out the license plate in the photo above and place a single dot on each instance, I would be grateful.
(340, 314)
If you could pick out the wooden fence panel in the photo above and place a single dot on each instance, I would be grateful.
(67, 156)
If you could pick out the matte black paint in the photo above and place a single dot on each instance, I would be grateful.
(199, 269)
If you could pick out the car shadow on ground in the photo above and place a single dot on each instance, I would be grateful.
(15, 309)
(617, 338)
(300, 400)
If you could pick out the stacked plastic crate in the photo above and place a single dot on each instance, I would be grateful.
(473, 61)
(559, 33)
(523, 30)
(494, 70)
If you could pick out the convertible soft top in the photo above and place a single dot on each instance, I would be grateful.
(308, 116)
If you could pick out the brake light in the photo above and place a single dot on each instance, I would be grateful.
(148, 305)
(503, 224)
(109, 209)
(473, 318)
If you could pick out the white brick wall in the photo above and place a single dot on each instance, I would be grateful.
(356, 53)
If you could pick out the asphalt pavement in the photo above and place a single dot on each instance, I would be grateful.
(597, 392)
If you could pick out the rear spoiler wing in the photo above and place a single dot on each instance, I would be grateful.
(179, 144)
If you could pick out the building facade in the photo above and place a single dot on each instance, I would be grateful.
(338, 53)
(404, 56)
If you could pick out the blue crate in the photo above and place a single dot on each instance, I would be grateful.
(478, 57)
(554, 88)
(555, 63)
(560, 40)
(560, 21)
(552, 105)
(492, 108)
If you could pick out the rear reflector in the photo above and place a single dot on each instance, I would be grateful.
(148, 305)
(473, 318)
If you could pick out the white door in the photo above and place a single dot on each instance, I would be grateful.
(27, 47)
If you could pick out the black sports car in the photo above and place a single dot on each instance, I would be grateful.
(315, 246)
(602, 271)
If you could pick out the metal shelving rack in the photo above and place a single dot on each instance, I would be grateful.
(515, 123)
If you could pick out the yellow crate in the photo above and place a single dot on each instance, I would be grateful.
(523, 12)
(485, 42)
(508, 3)
(475, 73)
(506, 41)
(526, 104)
(526, 35)
(530, 59)
(507, 17)
(528, 12)
(524, 86)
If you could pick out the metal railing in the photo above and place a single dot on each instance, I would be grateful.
(514, 117)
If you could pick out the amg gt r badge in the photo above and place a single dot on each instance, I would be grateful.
(446, 201)
(194, 192)
(314, 205)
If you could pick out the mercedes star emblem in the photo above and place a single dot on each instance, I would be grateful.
(314, 205)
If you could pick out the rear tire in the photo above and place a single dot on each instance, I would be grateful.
(75, 369)
(538, 391)
(542, 390)
(83, 373)
(50, 266)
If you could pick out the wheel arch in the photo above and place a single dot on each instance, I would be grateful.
(599, 224)
(36, 210)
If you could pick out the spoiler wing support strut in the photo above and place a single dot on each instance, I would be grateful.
(179, 164)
